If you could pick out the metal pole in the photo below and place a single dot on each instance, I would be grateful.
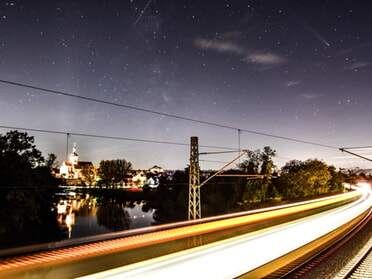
(194, 181)
(239, 132)
(365, 158)
(68, 136)
(221, 169)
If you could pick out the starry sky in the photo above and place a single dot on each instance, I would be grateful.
(294, 75)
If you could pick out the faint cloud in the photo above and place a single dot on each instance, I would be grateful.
(264, 60)
(165, 97)
(225, 46)
(344, 51)
(358, 65)
(310, 96)
(293, 83)
(232, 35)
(353, 49)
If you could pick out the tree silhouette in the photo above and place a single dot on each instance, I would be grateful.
(113, 216)
(113, 171)
(51, 161)
(26, 186)
(259, 162)
(88, 174)
(304, 179)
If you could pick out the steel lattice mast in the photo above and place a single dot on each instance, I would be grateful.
(194, 176)
(194, 181)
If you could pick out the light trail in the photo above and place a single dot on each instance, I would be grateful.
(236, 256)
(69, 256)
(142, 12)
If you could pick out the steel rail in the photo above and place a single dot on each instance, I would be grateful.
(303, 259)
(357, 262)
(308, 262)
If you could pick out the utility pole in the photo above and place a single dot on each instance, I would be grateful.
(194, 176)
(194, 181)
(68, 137)
(239, 133)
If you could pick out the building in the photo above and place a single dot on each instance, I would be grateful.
(67, 170)
(156, 170)
(75, 169)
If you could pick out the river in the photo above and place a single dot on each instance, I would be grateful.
(86, 214)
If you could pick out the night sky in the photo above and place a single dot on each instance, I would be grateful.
(300, 70)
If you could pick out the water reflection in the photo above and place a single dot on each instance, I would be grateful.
(83, 215)
(113, 216)
(65, 215)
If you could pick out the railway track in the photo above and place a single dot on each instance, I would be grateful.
(335, 261)
(360, 266)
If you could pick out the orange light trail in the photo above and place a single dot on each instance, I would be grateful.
(136, 241)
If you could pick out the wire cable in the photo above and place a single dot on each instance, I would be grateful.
(165, 114)
(109, 137)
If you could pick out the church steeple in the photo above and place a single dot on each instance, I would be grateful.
(74, 156)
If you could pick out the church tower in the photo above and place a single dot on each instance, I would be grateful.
(74, 156)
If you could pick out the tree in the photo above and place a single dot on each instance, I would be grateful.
(266, 170)
(21, 146)
(26, 186)
(303, 179)
(88, 174)
(18, 158)
(252, 164)
(259, 163)
(252, 192)
(51, 161)
(335, 183)
(113, 171)
(267, 161)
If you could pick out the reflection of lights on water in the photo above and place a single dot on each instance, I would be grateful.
(72, 194)
(70, 220)
(66, 216)
(140, 218)
(85, 209)
(135, 216)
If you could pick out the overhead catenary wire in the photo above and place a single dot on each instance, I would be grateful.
(115, 104)
(69, 134)
(358, 147)
(108, 137)
(164, 114)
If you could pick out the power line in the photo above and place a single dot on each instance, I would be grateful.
(289, 139)
(214, 161)
(135, 140)
(165, 114)
(360, 147)
(116, 104)
(108, 137)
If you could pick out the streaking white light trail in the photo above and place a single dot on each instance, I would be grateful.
(142, 12)
(233, 257)
(316, 34)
